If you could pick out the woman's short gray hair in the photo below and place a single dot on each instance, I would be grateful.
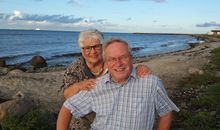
(92, 33)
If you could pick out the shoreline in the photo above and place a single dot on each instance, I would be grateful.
(170, 67)
(174, 66)
(27, 67)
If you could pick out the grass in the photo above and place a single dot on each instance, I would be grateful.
(37, 119)
(201, 109)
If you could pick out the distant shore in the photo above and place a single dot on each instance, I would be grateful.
(165, 33)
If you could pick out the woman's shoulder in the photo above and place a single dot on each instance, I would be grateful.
(75, 66)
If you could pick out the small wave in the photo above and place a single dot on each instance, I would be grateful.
(137, 48)
(19, 55)
(69, 55)
(168, 44)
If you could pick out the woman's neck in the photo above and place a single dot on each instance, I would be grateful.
(96, 68)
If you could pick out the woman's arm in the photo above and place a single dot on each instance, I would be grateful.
(63, 119)
(77, 87)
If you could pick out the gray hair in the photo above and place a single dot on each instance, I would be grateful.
(93, 33)
(112, 40)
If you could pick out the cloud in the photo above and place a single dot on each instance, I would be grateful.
(208, 24)
(157, 1)
(155, 21)
(121, 0)
(74, 2)
(129, 19)
(17, 14)
(17, 19)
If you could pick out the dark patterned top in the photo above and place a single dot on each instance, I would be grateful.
(76, 72)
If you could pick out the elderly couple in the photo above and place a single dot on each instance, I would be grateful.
(104, 85)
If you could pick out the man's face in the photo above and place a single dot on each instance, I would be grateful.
(118, 61)
(92, 50)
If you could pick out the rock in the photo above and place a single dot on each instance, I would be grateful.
(217, 73)
(43, 88)
(3, 71)
(17, 107)
(201, 72)
(2, 63)
(16, 72)
(194, 70)
(38, 62)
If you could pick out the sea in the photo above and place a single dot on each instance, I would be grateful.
(60, 48)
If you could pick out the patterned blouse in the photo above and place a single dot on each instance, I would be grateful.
(76, 72)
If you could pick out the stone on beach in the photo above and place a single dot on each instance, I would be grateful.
(38, 62)
(2, 63)
(16, 107)
(43, 88)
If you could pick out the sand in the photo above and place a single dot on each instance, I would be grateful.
(172, 67)
(43, 87)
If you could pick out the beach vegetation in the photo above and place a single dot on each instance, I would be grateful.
(199, 103)
(37, 119)
(208, 38)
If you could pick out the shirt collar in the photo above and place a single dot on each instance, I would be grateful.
(107, 77)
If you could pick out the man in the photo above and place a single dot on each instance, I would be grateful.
(81, 74)
(120, 99)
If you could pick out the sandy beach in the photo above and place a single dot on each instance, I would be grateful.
(172, 67)
(43, 87)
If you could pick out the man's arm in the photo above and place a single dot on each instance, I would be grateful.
(63, 119)
(165, 122)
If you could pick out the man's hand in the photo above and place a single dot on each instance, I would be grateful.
(142, 70)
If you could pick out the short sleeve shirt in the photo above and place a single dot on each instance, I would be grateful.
(128, 106)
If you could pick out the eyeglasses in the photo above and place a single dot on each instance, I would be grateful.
(120, 58)
(95, 47)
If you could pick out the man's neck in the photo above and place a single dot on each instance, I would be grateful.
(120, 81)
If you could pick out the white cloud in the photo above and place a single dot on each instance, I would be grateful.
(74, 2)
(15, 15)
(157, 1)
(17, 19)
(208, 24)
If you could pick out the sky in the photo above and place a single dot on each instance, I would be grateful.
(144, 16)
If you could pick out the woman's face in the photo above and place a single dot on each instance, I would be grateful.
(92, 50)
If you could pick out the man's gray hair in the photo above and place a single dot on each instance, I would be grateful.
(92, 33)
(112, 40)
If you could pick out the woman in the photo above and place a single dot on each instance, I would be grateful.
(80, 75)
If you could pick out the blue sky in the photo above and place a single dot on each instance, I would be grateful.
(147, 16)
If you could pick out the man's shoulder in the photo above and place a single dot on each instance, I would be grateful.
(150, 77)
(151, 81)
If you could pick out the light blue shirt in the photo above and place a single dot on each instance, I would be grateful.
(128, 106)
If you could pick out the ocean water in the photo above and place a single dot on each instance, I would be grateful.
(61, 48)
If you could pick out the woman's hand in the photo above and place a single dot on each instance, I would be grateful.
(142, 70)
(77, 87)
